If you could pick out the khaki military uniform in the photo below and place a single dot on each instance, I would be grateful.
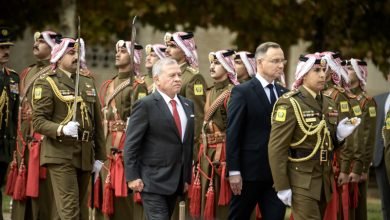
(148, 78)
(301, 143)
(213, 148)
(40, 207)
(9, 101)
(68, 160)
(386, 141)
(115, 115)
(365, 136)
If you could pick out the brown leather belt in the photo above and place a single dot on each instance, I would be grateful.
(216, 138)
(83, 136)
(117, 125)
(320, 155)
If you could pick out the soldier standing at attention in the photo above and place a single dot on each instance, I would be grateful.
(181, 47)
(9, 102)
(211, 174)
(117, 98)
(365, 135)
(69, 148)
(40, 206)
(304, 133)
(154, 52)
(245, 66)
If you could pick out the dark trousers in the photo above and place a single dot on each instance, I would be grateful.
(256, 192)
(384, 189)
(158, 207)
(3, 173)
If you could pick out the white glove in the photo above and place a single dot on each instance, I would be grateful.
(97, 166)
(285, 196)
(345, 128)
(71, 129)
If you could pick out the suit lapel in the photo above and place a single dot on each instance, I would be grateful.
(280, 90)
(259, 90)
(188, 111)
(162, 105)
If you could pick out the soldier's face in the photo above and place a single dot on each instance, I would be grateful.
(151, 59)
(169, 80)
(352, 75)
(68, 62)
(122, 58)
(240, 69)
(4, 54)
(41, 49)
(315, 78)
(217, 71)
(175, 53)
(272, 63)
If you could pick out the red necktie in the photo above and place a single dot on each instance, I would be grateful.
(176, 116)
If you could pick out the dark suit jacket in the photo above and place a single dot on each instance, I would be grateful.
(380, 118)
(249, 127)
(153, 150)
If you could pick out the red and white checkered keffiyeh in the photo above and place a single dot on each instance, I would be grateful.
(360, 68)
(303, 67)
(137, 53)
(48, 37)
(249, 62)
(227, 62)
(188, 46)
(338, 72)
(159, 49)
(64, 47)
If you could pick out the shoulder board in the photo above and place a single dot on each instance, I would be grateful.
(342, 90)
(10, 70)
(192, 70)
(48, 73)
(210, 87)
(367, 96)
(139, 80)
(32, 65)
(350, 95)
(328, 92)
(86, 73)
(290, 93)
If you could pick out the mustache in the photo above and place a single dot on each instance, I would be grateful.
(74, 62)
(6, 55)
(35, 47)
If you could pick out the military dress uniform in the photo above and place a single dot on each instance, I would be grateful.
(386, 141)
(9, 102)
(194, 88)
(365, 136)
(69, 160)
(212, 154)
(39, 205)
(148, 78)
(302, 139)
(349, 157)
(115, 115)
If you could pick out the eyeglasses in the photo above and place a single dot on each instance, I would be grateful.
(277, 61)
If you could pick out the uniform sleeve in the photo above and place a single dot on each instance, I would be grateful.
(43, 106)
(100, 151)
(196, 92)
(283, 123)
(138, 124)
(358, 146)
(369, 129)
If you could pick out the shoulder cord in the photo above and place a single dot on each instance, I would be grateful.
(68, 100)
(317, 129)
(4, 101)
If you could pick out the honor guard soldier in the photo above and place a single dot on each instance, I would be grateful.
(154, 52)
(304, 133)
(117, 98)
(348, 160)
(69, 147)
(210, 177)
(245, 66)
(386, 142)
(365, 135)
(181, 47)
(9, 101)
(39, 191)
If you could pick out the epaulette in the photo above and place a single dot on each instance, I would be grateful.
(86, 73)
(192, 70)
(341, 89)
(367, 96)
(48, 73)
(139, 80)
(331, 92)
(350, 95)
(290, 93)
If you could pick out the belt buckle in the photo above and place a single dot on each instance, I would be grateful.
(85, 136)
(324, 156)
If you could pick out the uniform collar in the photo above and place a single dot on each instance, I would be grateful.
(183, 66)
(41, 63)
(122, 75)
(223, 84)
(311, 92)
(66, 72)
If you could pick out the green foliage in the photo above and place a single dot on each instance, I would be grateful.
(356, 28)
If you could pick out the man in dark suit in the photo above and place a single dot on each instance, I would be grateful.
(383, 103)
(248, 131)
(159, 142)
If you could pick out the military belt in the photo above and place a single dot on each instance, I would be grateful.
(83, 136)
(216, 138)
(117, 125)
(320, 155)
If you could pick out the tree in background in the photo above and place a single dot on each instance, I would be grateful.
(357, 28)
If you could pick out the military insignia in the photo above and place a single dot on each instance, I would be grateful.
(167, 37)
(344, 106)
(388, 123)
(4, 32)
(91, 92)
(148, 49)
(323, 62)
(198, 89)
(372, 111)
(76, 46)
(14, 88)
(333, 113)
(87, 85)
(37, 93)
(311, 119)
(141, 95)
(281, 114)
(66, 92)
(356, 110)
